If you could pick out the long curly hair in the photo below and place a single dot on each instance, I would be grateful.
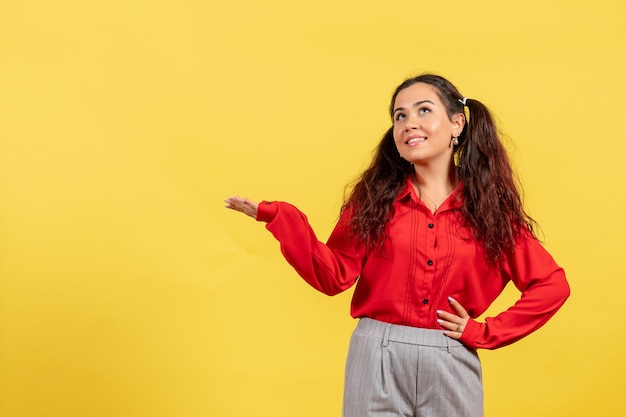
(491, 207)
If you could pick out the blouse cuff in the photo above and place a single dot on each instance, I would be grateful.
(471, 332)
(267, 211)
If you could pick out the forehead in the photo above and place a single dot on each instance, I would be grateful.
(415, 93)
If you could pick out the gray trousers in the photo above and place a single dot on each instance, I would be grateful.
(405, 371)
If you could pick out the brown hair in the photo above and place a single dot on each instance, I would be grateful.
(491, 207)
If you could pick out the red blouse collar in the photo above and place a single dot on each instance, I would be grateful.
(455, 200)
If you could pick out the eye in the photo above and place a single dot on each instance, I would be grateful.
(423, 110)
(400, 116)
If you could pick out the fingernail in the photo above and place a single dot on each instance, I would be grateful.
(452, 300)
(439, 312)
(439, 321)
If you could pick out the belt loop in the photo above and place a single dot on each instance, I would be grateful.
(386, 334)
(447, 343)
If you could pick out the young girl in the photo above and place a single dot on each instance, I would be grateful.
(431, 234)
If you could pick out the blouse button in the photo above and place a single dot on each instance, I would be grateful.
(430, 225)
(425, 301)
(430, 262)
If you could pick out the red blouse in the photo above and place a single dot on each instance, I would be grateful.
(425, 259)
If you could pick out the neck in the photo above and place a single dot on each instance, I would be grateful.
(434, 186)
(436, 178)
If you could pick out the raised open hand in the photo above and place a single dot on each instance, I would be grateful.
(243, 205)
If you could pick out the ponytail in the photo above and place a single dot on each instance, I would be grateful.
(492, 206)
(373, 195)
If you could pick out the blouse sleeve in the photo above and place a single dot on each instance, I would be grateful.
(330, 268)
(543, 288)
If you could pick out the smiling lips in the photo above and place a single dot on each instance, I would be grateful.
(415, 140)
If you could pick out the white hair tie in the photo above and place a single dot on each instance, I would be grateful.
(465, 109)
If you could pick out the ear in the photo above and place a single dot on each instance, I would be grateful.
(458, 123)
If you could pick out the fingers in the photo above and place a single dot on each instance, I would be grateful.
(243, 205)
(453, 323)
(454, 327)
(449, 317)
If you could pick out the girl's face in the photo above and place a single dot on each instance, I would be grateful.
(422, 129)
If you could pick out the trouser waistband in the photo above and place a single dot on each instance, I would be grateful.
(405, 334)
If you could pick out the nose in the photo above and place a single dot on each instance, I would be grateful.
(412, 122)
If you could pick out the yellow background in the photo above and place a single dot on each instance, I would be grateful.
(126, 289)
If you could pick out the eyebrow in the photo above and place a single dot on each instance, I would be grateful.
(416, 104)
